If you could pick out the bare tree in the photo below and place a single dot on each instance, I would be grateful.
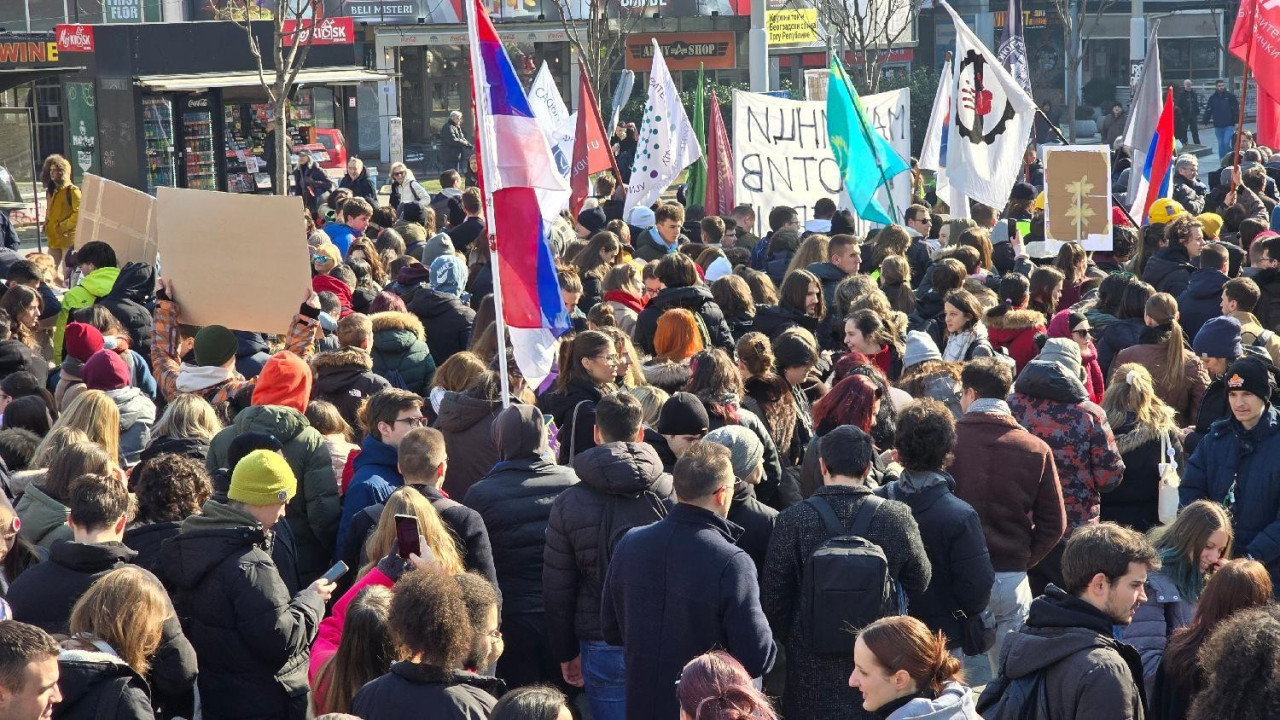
(598, 39)
(292, 22)
(870, 29)
(1075, 16)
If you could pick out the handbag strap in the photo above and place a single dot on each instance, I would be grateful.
(1167, 454)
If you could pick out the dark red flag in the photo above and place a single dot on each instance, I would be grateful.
(591, 153)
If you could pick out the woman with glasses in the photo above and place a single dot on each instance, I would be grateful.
(1076, 327)
(405, 187)
(588, 370)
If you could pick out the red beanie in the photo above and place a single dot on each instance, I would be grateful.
(284, 380)
(105, 370)
(81, 340)
(326, 283)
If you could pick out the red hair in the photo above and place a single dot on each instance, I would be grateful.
(849, 403)
(715, 686)
(853, 360)
(677, 337)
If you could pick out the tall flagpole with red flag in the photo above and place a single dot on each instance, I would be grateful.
(591, 152)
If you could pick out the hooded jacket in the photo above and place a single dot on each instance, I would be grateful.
(360, 186)
(1087, 672)
(515, 500)
(400, 353)
(44, 519)
(15, 356)
(773, 320)
(1094, 381)
(695, 298)
(137, 415)
(446, 320)
(427, 692)
(621, 486)
(1015, 332)
(928, 317)
(1166, 611)
(1169, 270)
(313, 514)
(1185, 399)
(1134, 502)
(194, 448)
(666, 375)
(1116, 337)
(252, 352)
(1053, 405)
(376, 476)
(96, 685)
(465, 422)
(1201, 301)
(132, 293)
(955, 702)
(96, 284)
(251, 637)
(345, 378)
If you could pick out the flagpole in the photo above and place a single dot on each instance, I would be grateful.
(866, 133)
(1063, 139)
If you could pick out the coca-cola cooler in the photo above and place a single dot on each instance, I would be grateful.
(181, 134)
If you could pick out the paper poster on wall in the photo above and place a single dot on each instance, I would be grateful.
(782, 157)
(240, 280)
(119, 216)
(1077, 182)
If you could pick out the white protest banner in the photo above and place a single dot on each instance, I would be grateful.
(560, 126)
(781, 155)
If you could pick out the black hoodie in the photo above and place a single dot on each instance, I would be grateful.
(99, 686)
(130, 296)
(695, 298)
(446, 319)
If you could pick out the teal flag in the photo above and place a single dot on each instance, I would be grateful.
(866, 161)
(695, 192)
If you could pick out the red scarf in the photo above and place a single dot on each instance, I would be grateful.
(883, 360)
(627, 299)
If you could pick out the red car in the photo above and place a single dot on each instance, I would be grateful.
(336, 145)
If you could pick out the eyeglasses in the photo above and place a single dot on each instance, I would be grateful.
(399, 173)
(610, 359)
(416, 421)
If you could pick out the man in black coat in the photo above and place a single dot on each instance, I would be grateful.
(455, 147)
(345, 377)
(621, 486)
(251, 637)
(680, 289)
(45, 594)
(1188, 191)
(471, 229)
(817, 685)
(1202, 300)
(514, 500)
(134, 291)
(680, 587)
(1187, 109)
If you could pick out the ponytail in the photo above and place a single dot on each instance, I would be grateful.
(736, 702)
(1014, 290)
(901, 642)
(1162, 308)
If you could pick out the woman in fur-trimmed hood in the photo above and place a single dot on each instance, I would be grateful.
(1140, 420)
(400, 353)
(1011, 326)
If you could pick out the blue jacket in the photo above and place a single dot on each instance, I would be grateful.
(340, 235)
(1221, 109)
(1201, 301)
(375, 477)
(676, 589)
(1250, 460)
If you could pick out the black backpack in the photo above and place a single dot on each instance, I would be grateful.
(1025, 698)
(846, 580)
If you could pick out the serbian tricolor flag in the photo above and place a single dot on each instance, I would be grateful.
(1256, 41)
(515, 160)
(1156, 180)
(591, 151)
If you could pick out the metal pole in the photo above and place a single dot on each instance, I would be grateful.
(758, 47)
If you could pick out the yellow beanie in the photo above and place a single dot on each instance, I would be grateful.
(262, 478)
(1212, 224)
(1039, 204)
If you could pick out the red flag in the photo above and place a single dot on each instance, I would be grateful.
(719, 163)
(1268, 119)
(1256, 41)
(591, 153)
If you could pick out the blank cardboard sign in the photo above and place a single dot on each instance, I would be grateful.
(119, 216)
(1077, 181)
(235, 260)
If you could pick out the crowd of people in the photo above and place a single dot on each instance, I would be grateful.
(779, 470)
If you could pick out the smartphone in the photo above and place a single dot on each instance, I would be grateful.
(407, 535)
(338, 570)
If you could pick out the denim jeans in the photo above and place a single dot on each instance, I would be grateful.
(1226, 136)
(1009, 605)
(604, 676)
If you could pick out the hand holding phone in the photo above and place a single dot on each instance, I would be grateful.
(338, 570)
(407, 536)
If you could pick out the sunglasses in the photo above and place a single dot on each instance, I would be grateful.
(319, 258)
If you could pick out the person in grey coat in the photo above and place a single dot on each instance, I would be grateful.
(817, 685)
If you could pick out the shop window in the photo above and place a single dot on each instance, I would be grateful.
(1195, 58)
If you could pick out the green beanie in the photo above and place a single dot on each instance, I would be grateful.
(214, 346)
(262, 478)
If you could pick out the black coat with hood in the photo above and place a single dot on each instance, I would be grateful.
(253, 640)
(773, 320)
(466, 420)
(830, 276)
(96, 685)
(1268, 308)
(345, 378)
(1169, 270)
(1087, 672)
(130, 296)
(695, 298)
(361, 186)
(927, 316)
(15, 356)
(515, 501)
(252, 353)
(422, 691)
(621, 486)
(1116, 337)
(447, 321)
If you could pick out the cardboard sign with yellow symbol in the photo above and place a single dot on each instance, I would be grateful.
(1077, 181)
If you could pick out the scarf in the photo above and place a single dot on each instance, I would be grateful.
(625, 299)
(993, 406)
(194, 378)
(958, 344)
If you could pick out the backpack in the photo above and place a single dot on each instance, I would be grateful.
(846, 580)
(1026, 698)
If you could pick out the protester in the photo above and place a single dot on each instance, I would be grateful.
(1202, 299)
(363, 655)
(679, 278)
(1148, 440)
(1076, 327)
(99, 269)
(1011, 326)
(1180, 377)
(388, 417)
(966, 335)
(105, 371)
(1243, 645)
(186, 428)
(167, 490)
(587, 371)
(466, 420)
(29, 672)
(43, 507)
(903, 671)
(345, 376)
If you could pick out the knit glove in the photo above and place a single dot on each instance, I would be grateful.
(393, 566)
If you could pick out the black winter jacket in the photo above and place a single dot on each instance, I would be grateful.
(345, 378)
(253, 640)
(927, 317)
(1133, 502)
(192, 448)
(1116, 337)
(466, 422)
(145, 540)
(1169, 270)
(252, 353)
(773, 320)
(740, 324)
(361, 186)
(695, 298)
(416, 690)
(1268, 308)
(957, 548)
(1190, 194)
(446, 320)
(621, 486)
(576, 423)
(756, 520)
(99, 686)
(134, 292)
(1201, 301)
(830, 276)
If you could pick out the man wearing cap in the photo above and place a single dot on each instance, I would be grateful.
(1217, 344)
(682, 422)
(280, 397)
(746, 453)
(211, 374)
(1239, 298)
(251, 639)
(1238, 464)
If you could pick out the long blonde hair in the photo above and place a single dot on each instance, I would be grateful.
(1162, 308)
(188, 416)
(58, 439)
(812, 250)
(96, 414)
(126, 609)
(1133, 392)
(408, 501)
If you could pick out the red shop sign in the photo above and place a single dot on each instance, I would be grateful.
(75, 38)
(329, 31)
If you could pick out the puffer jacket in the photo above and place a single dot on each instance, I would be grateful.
(1169, 270)
(621, 486)
(1166, 610)
(133, 292)
(1116, 337)
(773, 320)
(314, 512)
(941, 386)
(252, 353)
(428, 692)
(1201, 301)
(146, 540)
(465, 422)
(251, 637)
(1054, 407)
(515, 501)
(1015, 333)
(667, 375)
(194, 448)
(400, 353)
(697, 299)
(928, 314)
(447, 321)
(345, 378)
(137, 415)
(1087, 672)
(1186, 397)
(576, 423)
(1134, 501)
(376, 475)
(1241, 469)
(44, 520)
(96, 685)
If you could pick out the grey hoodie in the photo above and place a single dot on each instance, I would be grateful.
(137, 415)
(955, 702)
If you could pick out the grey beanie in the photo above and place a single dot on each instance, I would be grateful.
(439, 244)
(1065, 352)
(745, 449)
(920, 347)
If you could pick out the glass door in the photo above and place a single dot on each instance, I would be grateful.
(200, 164)
(157, 132)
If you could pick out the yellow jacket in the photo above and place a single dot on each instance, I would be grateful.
(62, 215)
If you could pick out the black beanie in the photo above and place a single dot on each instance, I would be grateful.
(1248, 374)
(683, 414)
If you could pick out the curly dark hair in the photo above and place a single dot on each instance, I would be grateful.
(1241, 661)
(429, 618)
(169, 488)
(926, 434)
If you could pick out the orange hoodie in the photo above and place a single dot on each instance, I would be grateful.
(285, 380)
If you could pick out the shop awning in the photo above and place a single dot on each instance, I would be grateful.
(13, 77)
(308, 76)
